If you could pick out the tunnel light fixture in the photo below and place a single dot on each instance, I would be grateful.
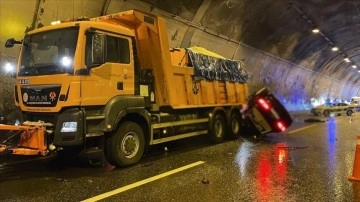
(9, 67)
(66, 61)
(315, 30)
(359, 71)
(354, 66)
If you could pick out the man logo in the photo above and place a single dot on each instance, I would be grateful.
(52, 96)
(25, 97)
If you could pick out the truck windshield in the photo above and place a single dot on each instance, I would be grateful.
(50, 52)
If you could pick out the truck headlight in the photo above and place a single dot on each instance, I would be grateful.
(68, 127)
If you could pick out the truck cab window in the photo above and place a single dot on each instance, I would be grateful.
(50, 52)
(117, 50)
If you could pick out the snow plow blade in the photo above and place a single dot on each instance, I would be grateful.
(31, 139)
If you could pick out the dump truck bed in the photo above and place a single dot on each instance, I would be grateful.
(205, 89)
(177, 81)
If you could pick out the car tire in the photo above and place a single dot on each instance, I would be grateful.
(349, 112)
(326, 113)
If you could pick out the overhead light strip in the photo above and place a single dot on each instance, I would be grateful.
(316, 30)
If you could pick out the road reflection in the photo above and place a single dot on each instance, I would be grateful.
(271, 173)
(331, 141)
(242, 157)
(269, 168)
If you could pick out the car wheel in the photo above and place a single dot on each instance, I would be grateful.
(349, 112)
(326, 113)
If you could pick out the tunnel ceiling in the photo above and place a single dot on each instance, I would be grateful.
(281, 28)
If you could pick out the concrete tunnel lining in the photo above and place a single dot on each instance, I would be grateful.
(280, 51)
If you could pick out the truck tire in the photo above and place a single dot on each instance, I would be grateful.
(126, 146)
(234, 126)
(217, 128)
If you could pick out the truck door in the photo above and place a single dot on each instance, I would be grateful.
(110, 75)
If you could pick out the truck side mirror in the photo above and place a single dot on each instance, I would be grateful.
(98, 45)
(11, 42)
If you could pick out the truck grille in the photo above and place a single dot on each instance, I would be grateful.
(40, 96)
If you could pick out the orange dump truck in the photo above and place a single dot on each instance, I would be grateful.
(112, 84)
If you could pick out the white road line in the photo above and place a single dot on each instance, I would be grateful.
(303, 128)
(142, 182)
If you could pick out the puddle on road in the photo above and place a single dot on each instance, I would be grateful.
(286, 146)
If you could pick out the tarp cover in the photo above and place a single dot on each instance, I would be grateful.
(211, 66)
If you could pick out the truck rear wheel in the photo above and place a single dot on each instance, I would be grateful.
(234, 126)
(217, 128)
(126, 146)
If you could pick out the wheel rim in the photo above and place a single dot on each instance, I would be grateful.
(235, 126)
(130, 145)
(218, 128)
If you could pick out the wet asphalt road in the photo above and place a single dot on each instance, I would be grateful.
(309, 162)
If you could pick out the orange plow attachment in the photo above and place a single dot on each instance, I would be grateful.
(32, 140)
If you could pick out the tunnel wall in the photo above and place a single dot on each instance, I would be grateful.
(297, 86)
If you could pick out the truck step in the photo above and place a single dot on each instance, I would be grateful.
(92, 153)
(95, 117)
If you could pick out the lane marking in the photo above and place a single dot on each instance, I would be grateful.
(303, 128)
(142, 182)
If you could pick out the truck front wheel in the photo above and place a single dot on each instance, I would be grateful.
(126, 146)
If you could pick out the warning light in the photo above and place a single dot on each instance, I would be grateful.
(263, 104)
